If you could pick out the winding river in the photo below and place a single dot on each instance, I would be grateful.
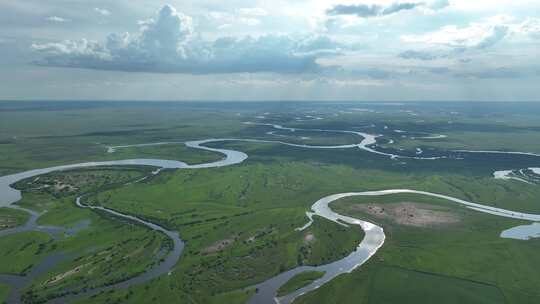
(374, 235)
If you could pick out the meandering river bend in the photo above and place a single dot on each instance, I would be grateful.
(372, 241)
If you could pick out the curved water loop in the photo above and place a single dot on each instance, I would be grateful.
(374, 235)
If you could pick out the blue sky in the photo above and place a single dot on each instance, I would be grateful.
(270, 50)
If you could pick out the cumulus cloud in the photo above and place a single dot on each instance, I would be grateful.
(168, 44)
(496, 34)
(374, 10)
(475, 35)
(165, 36)
(530, 27)
(451, 41)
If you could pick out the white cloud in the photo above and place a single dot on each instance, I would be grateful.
(57, 19)
(168, 44)
(102, 11)
(243, 16)
(478, 35)
(475, 35)
(291, 38)
(68, 47)
(530, 27)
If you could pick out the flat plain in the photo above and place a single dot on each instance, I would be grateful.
(239, 222)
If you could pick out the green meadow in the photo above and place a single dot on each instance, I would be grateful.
(465, 261)
(298, 281)
(239, 222)
(4, 290)
(10, 218)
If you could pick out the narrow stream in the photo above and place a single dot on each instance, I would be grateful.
(373, 240)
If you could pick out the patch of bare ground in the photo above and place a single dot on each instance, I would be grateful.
(217, 246)
(409, 214)
(309, 238)
(6, 223)
(66, 274)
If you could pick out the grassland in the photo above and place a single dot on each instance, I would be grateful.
(264, 240)
(80, 181)
(38, 137)
(298, 281)
(10, 218)
(467, 262)
(107, 251)
(19, 252)
(299, 136)
(277, 192)
(510, 141)
(256, 231)
(4, 290)
(239, 222)
(171, 151)
(254, 209)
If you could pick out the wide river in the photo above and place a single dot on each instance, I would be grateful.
(374, 235)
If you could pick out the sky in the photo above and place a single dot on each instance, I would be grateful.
(239, 50)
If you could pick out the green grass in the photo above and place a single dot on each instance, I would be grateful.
(10, 218)
(66, 183)
(164, 290)
(37, 139)
(517, 141)
(298, 281)
(419, 287)
(265, 201)
(299, 136)
(4, 292)
(264, 241)
(330, 242)
(107, 251)
(234, 297)
(242, 207)
(380, 284)
(255, 206)
(269, 199)
(457, 258)
(19, 252)
(171, 151)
